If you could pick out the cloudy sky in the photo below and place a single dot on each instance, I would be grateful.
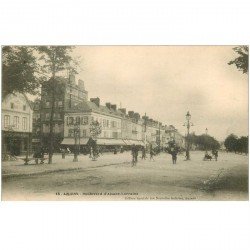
(167, 81)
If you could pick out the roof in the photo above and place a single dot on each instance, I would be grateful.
(22, 94)
(88, 106)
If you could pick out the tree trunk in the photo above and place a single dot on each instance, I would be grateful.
(51, 123)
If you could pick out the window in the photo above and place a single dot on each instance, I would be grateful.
(24, 123)
(84, 133)
(16, 121)
(47, 104)
(113, 124)
(45, 128)
(12, 105)
(78, 120)
(60, 104)
(56, 128)
(47, 116)
(6, 121)
(70, 120)
(108, 123)
(24, 107)
(71, 133)
(85, 120)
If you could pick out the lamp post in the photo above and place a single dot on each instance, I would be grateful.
(188, 124)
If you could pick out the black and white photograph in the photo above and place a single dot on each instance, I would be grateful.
(131, 123)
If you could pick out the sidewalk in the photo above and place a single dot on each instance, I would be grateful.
(17, 168)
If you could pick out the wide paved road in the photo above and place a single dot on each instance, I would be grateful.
(113, 178)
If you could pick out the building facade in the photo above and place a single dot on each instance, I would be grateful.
(16, 124)
(67, 95)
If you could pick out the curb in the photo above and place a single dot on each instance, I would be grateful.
(13, 175)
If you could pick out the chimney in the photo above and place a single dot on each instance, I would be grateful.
(123, 111)
(81, 84)
(131, 114)
(108, 105)
(113, 106)
(96, 101)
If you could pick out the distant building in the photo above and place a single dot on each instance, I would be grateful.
(174, 135)
(16, 124)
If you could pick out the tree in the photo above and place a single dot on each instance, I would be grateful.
(19, 70)
(231, 143)
(95, 129)
(242, 145)
(204, 142)
(53, 60)
(241, 62)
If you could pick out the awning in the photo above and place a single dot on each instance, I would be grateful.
(140, 143)
(102, 141)
(132, 142)
(127, 142)
(71, 141)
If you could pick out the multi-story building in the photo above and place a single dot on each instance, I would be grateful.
(67, 95)
(117, 128)
(82, 116)
(16, 124)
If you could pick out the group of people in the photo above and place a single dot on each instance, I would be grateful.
(173, 150)
(39, 155)
(210, 157)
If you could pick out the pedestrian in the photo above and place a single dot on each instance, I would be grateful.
(151, 152)
(63, 153)
(136, 153)
(37, 154)
(42, 155)
(133, 153)
(215, 153)
(143, 156)
(174, 152)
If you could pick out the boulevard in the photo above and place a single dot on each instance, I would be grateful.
(112, 177)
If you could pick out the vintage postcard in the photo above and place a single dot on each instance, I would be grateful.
(125, 123)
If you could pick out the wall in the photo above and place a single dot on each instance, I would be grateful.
(13, 106)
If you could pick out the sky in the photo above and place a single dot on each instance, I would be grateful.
(167, 81)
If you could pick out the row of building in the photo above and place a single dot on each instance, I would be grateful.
(27, 123)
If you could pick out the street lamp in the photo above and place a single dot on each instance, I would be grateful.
(188, 124)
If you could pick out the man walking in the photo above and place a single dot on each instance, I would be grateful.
(174, 153)
(143, 156)
(151, 152)
(133, 153)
